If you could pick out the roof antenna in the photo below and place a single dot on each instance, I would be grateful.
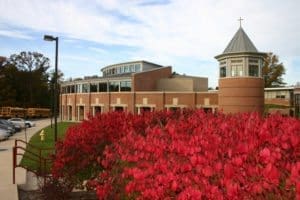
(240, 19)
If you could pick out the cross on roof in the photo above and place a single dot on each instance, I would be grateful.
(240, 19)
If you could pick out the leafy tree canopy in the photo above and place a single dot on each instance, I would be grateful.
(25, 80)
(273, 71)
(28, 61)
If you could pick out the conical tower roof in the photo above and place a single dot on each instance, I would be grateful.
(240, 43)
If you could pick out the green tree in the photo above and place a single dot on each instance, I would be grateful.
(25, 80)
(9, 80)
(32, 67)
(273, 71)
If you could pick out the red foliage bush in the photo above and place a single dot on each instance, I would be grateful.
(77, 155)
(192, 155)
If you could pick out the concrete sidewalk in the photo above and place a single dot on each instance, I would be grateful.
(8, 190)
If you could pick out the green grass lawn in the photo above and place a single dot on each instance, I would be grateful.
(48, 143)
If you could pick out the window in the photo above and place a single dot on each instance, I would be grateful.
(72, 89)
(131, 68)
(236, 70)
(223, 72)
(76, 88)
(174, 109)
(137, 67)
(126, 69)
(85, 88)
(253, 70)
(280, 96)
(102, 87)
(114, 86)
(119, 109)
(94, 87)
(145, 109)
(125, 85)
(97, 110)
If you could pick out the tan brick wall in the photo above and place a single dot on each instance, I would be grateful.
(146, 81)
(241, 94)
(175, 84)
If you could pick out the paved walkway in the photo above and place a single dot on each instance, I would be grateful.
(8, 191)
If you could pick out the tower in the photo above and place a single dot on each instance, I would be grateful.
(241, 84)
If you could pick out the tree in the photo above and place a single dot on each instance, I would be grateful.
(273, 71)
(28, 61)
(9, 80)
(25, 80)
(32, 67)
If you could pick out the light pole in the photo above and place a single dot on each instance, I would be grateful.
(51, 38)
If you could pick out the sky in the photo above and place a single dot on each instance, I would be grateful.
(184, 34)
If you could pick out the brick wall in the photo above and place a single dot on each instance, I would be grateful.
(133, 101)
(146, 81)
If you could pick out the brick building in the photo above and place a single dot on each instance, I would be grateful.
(144, 86)
(134, 87)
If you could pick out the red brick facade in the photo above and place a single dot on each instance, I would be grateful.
(79, 106)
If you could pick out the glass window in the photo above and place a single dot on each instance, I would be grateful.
(126, 69)
(125, 85)
(85, 88)
(119, 109)
(94, 87)
(137, 68)
(253, 70)
(78, 88)
(131, 68)
(72, 89)
(114, 86)
(236, 70)
(103, 87)
(223, 72)
(97, 110)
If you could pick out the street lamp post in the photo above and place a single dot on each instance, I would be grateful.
(51, 38)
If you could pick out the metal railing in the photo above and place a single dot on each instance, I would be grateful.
(33, 156)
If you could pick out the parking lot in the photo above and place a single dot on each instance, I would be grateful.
(6, 152)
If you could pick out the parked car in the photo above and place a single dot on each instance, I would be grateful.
(23, 123)
(4, 135)
(10, 125)
(9, 129)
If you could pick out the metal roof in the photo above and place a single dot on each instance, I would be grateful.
(240, 43)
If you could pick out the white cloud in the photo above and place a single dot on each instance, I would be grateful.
(195, 28)
(181, 28)
(15, 34)
(98, 50)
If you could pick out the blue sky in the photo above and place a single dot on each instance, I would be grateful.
(185, 34)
